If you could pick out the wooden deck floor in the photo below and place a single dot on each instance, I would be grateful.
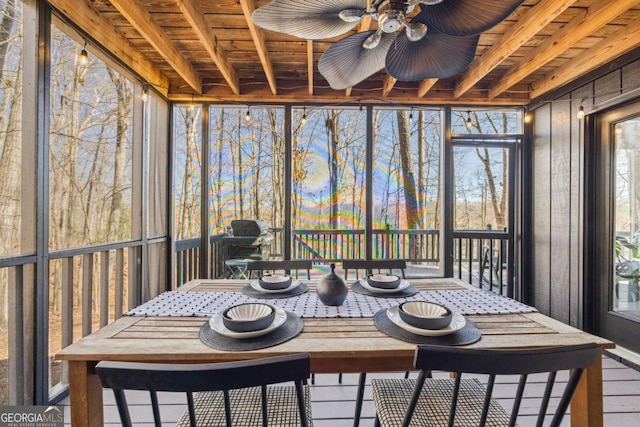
(333, 404)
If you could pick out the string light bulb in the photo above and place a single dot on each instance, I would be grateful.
(304, 116)
(247, 116)
(145, 93)
(580, 114)
(469, 123)
(84, 55)
(411, 117)
(193, 104)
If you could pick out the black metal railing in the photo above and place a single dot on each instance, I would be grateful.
(481, 257)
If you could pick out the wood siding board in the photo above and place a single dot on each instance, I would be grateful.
(631, 76)
(560, 267)
(541, 208)
(608, 86)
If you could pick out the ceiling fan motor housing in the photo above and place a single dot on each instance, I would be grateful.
(391, 15)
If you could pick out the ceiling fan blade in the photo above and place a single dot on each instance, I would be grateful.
(346, 63)
(307, 19)
(436, 55)
(467, 17)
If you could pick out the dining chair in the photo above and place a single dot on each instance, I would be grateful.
(245, 393)
(375, 265)
(281, 265)
(369, 266)
(464, 401)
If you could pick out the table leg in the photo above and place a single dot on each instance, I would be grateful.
(85, 395)
(586, 406)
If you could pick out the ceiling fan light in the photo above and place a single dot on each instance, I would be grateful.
(351, 15)
(373, 40)
(416, 31)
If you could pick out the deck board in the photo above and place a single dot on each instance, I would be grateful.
(333, 404)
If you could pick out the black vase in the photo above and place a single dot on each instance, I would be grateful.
(332, 290)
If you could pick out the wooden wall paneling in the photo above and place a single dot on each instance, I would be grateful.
(608, 86)
(577, 207)
(631, 76)
(541, 208)
(560, 251)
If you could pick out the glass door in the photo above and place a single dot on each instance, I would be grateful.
(616, 227)
(625, 292)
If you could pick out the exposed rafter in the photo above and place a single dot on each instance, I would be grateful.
(389, 83)
(91, 22)
(248, 6)
(599, 54)
(425, 86)
(538, 17)
(191, 10)
(310, 65)
(581, 26)
(138, 16)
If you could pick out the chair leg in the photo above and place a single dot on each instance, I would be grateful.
(359, 398)
(340, 378)
(406, 374)
(377, 421)
(313, 379)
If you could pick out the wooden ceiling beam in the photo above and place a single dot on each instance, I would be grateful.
(388, 84)
(623, 40)
(137, 15)
(192, 12)
(102, 31)
(248, 6)
(588, 21)
(310, 65)
(538, 17)
(425, 86)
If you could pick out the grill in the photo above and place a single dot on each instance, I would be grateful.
(250, 240)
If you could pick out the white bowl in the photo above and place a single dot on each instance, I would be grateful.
(383, 281)
(248, 317)
(275, 282)
(425, 315)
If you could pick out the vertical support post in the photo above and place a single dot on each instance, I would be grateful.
(369, 185)
(447, 188)
(38, 15)
(204, 197)
(288, 185)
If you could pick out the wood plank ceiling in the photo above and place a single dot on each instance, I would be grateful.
(211, 50)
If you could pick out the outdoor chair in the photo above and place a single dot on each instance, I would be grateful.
(463, 401)
(239, 394)
(373, 266)
(288, 266)
(370, 267)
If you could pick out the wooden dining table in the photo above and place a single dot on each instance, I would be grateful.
(339, 344)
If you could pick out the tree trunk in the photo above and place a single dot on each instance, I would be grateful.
(409, 181)
(123, 91)
(332, 127)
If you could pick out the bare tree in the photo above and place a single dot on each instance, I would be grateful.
(409, 181)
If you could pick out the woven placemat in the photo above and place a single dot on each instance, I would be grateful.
(298, 290)
(467, 335)
(406, 292)
(291, 328)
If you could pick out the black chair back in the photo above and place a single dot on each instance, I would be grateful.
(287, 266)
(522, 362)
(371, 266)
(191, 378)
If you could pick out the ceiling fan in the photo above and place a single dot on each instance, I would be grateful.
(438, 42)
